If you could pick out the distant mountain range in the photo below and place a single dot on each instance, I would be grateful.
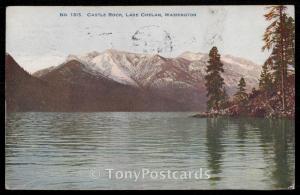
(121, 81)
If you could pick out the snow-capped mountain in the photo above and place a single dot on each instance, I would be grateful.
(122, 81)
(179, 79)
(154, 71)
(70, 88)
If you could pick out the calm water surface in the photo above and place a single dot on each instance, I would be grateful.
(72, 150)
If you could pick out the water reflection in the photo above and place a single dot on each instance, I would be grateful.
(215, 149)
(52, 149)
(276, 141)
(283, 147)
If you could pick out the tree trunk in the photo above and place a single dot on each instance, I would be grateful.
(282, 60)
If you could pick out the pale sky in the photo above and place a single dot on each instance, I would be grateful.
(38, 37)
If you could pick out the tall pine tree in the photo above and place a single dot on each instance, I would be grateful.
(214, 82)
(279, 37)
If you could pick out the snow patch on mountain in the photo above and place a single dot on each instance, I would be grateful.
(192, 56)
(104, 64)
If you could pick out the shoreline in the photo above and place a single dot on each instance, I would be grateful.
(218, 115)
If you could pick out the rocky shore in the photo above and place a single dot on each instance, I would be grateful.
(288, 115)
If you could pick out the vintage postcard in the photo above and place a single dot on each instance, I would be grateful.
(150, 97)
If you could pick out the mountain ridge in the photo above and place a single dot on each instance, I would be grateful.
(141, 70)
(107, 76)
(69, 89)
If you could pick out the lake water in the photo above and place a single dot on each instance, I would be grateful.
(75, 151)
